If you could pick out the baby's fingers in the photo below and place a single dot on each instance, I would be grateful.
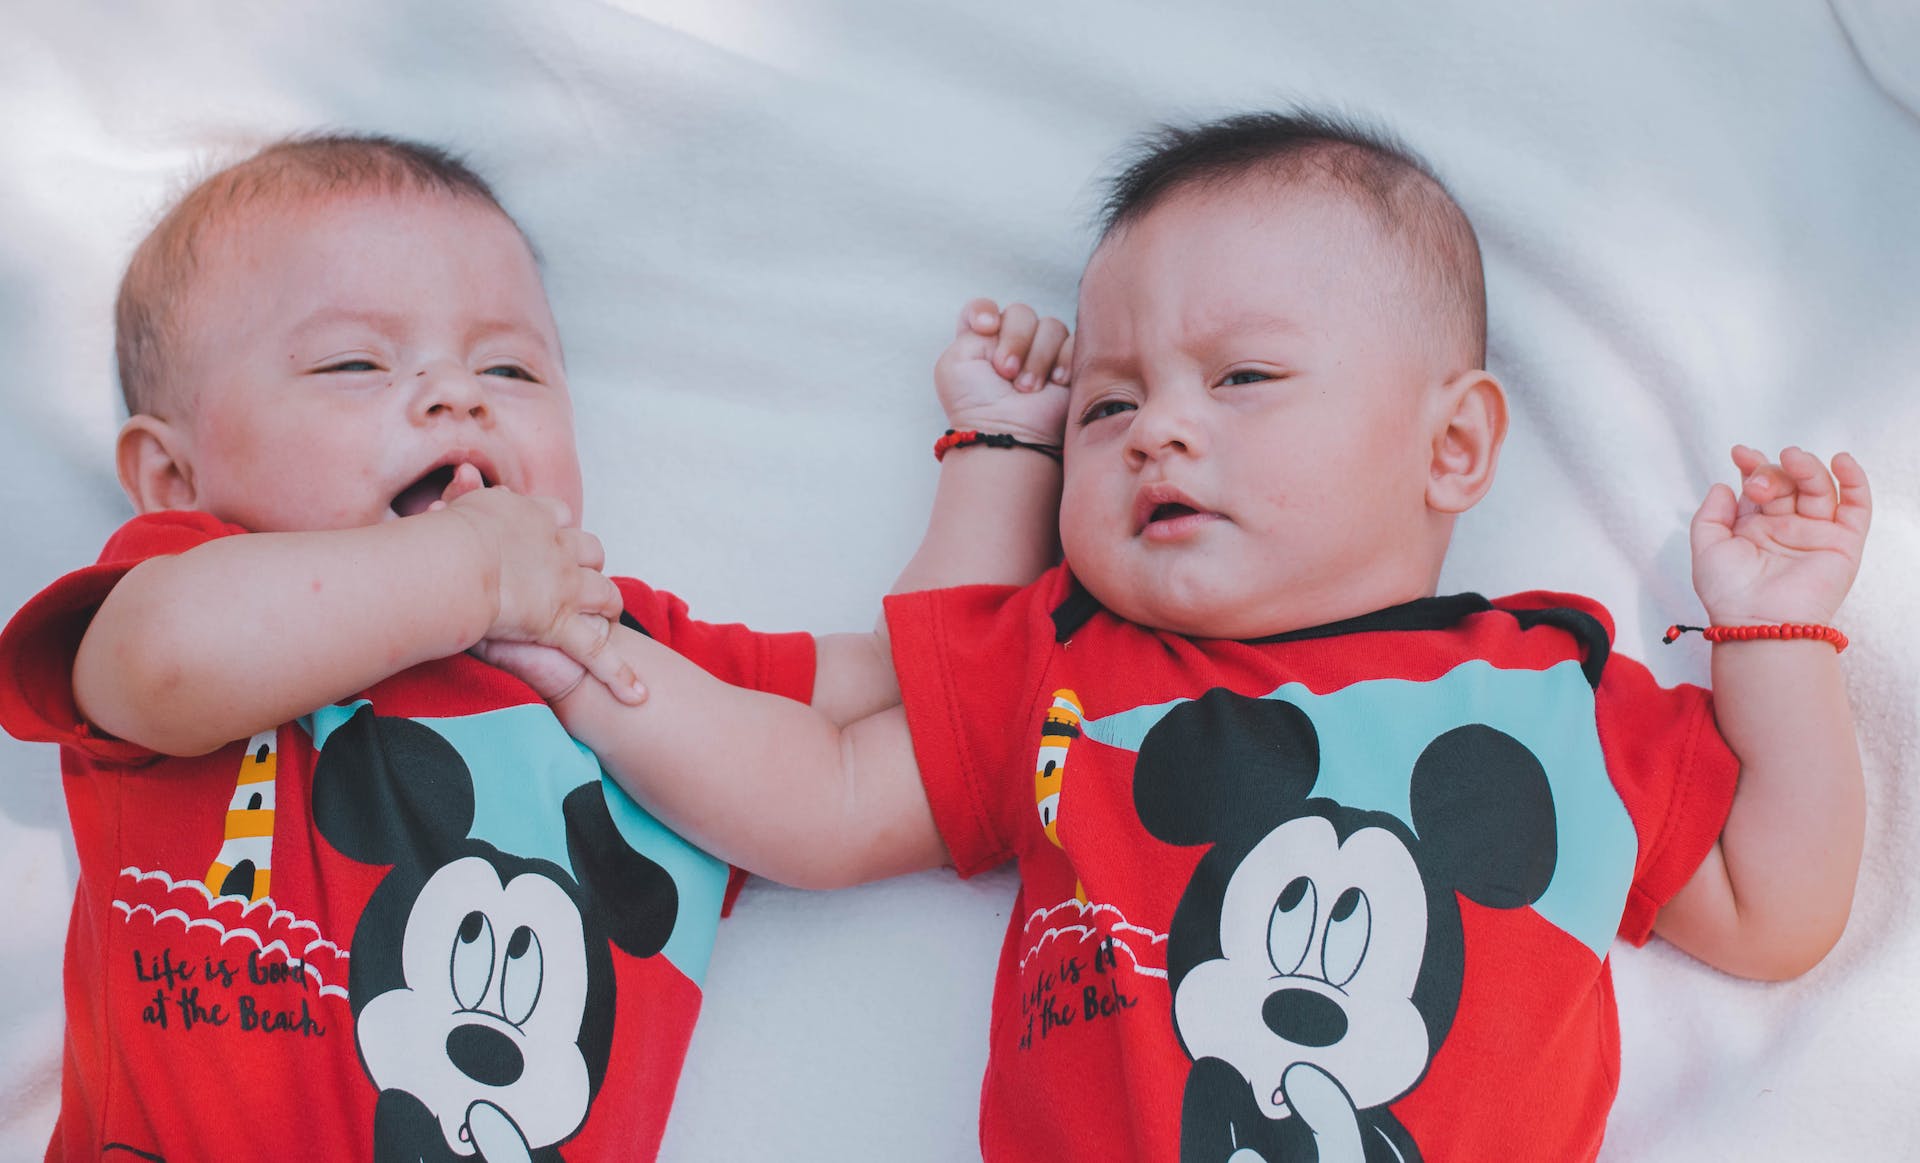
(548, 671)
(466, 479)
(978, 317)
(1043, 357)
(1765, 487)
(1063, 364)
(1017, 326)
(1713, 521)
(562, 515)
(1814, 494)
(588, 640)
(1856, 499)
(598, 595)
(587, 551)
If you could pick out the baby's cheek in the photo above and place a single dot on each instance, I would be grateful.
(1078, 531)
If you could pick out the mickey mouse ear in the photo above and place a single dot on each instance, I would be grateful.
(1483, 810)
(1223, 765)
(389, 790)
(633, 896)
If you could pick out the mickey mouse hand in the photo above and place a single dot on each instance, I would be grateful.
(1324, 1107)
(495, 1137)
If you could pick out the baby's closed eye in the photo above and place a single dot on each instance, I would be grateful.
(1250, 375)
(512, 372)
(347, 366)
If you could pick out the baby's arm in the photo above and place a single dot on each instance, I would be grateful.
(237, 635)
(995, 511)
(830, 794)
(1772, 897)
(770, 785)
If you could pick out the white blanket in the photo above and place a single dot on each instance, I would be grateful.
(1702, 226)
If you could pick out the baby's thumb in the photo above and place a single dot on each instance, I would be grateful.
(466, 479)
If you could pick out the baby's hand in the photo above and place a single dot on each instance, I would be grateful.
(1006, 371)
(1787, 549)
(548, 587)
(550, 673)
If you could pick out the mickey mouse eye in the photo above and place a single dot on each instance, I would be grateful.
(520, 977)
(1290, 929)
(1349, 928)
(472, 961)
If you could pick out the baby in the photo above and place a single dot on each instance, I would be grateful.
(1315, 864)
(344, 890)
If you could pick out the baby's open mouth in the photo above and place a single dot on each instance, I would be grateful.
(1164, 513)
(421, 494)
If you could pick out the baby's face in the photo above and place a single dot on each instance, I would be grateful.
(1249, 434)
(344, 355)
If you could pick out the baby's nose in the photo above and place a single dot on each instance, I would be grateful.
(445, 392)
(1162, 427)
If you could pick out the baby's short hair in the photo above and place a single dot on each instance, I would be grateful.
(1302, 147)
(148, 326)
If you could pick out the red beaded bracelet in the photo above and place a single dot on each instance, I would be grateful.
(962, 437)
(1749, 633)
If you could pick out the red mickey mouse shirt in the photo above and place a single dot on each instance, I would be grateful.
(417, 922)
(1346, 892)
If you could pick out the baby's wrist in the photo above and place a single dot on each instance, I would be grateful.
(988, 423)
(1741, 617)
(955, 439)
(470, 543)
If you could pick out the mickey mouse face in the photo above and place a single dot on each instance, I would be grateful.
(496, 983)
(1321, 943)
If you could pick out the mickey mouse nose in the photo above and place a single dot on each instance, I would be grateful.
(485, 1055)
(1304, 1017)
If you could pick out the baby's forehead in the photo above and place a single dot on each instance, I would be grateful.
(1209, 255)
(309, 261)
(296, 209)
(1342, 244)
(1321, 215)
(301, 233)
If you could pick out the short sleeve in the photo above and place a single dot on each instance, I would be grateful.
(780, 664)
(970, 662)
(1675, 774)
(38, 646)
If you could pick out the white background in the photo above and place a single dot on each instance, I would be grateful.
(1702, 225)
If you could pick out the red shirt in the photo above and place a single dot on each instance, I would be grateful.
(1346, 892)
(420, 920)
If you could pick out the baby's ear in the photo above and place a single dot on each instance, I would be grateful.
(154, 470)
(1470, 423)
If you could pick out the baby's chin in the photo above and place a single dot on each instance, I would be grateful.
(1191, 610)
(1220, 619)
(1237, 600)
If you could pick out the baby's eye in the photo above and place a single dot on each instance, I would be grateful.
(1247, 376)
(511, 372)
(349, 366)
(1104, 409)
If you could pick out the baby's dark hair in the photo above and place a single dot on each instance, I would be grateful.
(147, 315)
(1301, 147)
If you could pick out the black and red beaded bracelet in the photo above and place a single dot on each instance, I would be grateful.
(962, 437)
